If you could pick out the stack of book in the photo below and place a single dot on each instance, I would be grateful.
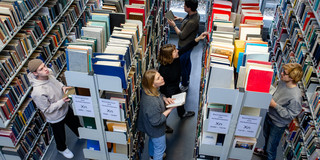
(251, 19)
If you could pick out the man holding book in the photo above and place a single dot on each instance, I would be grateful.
(285, 105)
(187, 33)
(47, 94)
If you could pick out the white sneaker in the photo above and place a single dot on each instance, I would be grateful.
(67, 153)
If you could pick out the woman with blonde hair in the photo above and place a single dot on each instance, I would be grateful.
(153, 113)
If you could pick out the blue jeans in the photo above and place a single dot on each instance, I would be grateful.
(185, 63)
(272, 135)
(157, 146)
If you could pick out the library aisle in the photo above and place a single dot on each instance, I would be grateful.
(180, 143)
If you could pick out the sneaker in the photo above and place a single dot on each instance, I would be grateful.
(67, 153)
(169, 129)
(188, 114)
(184, 88)
(259, 152)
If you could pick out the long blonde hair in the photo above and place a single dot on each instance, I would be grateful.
(147, 83)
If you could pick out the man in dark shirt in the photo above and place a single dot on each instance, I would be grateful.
(187, 33)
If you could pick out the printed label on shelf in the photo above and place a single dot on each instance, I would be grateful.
(248, 126)
(83, 105)
(109, 109)
(219, 122)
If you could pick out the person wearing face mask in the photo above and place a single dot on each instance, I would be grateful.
(171, 71)
(153, 113)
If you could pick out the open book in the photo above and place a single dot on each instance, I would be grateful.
(179, 99)
(169, 15)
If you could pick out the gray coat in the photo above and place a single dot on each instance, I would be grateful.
(151, 120)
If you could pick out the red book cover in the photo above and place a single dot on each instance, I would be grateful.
(258, 62)
(136, 1)
(41, 27)
(253, 17)
(259, 79)
(309, 16)
(222, 4)
(5, 110)
(221, 11)
(9, 104)
(136, 10)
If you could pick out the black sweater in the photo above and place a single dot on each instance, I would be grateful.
(171, 73)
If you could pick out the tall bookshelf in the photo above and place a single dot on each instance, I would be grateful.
(24, 108)
(289, 30)
(154, 33)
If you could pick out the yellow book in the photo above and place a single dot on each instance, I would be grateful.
(20, 113)
(239, 46)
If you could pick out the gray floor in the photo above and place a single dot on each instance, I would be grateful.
(180, 144)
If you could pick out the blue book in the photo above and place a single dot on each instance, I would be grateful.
(111, 68)
(93, 145)
(240, 59)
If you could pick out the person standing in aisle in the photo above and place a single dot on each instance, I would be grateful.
(187, 33)
(47, 94)
(153, 113)
(285, 105)
(170, 70)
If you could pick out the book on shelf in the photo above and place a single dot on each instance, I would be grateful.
(244, 142)
(224, 80)
(111, 68)
(93, 145)
(97, 33)
(79, 55)
(137, 12)
(258, 79)
(179, 100)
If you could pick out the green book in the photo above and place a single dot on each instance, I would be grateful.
(89, 123)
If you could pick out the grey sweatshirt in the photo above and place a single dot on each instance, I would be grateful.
(151, 120)
(47, 95)
(288, 104)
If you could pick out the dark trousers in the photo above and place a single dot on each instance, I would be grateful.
(272, 135)
(185, 63)
(58, 129)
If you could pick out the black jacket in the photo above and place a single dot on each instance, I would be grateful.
(171, 73)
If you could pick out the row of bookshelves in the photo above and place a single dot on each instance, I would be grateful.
(297, 24)
(34, 48)
(27, 86)
(64, 22)
(129, 95)
(34, 9)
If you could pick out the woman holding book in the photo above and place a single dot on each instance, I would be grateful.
(171, 71)
(153, 113)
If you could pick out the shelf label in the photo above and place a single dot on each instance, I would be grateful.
(248, 126)
(109, 109)
(219, 122)
(83, 105)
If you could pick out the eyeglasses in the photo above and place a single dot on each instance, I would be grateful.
(284, 72)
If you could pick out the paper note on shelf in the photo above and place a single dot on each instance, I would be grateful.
(248, 126)
(109, 109)
(179, 99)
(219, 122)
(83, 105)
